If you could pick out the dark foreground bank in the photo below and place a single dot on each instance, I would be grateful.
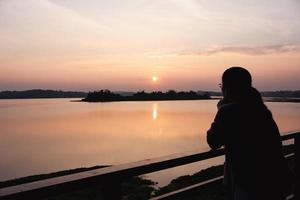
(141, 188)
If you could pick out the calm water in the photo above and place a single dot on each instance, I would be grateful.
(40, 136)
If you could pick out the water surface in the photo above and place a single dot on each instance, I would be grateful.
(46, 135)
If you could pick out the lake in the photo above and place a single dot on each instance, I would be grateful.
(47, 135)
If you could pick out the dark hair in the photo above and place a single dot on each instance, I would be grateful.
(237, 83)
(236, 79)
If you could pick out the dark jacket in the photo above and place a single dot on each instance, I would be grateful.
(254, 158)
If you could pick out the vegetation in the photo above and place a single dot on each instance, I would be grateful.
(281, 99)
(214, 192)
(107, 96)
(37, 93)
(282, 93)
(134, 188)
(279, 93)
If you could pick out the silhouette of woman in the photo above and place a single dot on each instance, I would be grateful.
(255, 167)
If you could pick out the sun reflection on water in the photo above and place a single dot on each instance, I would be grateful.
(154, 111)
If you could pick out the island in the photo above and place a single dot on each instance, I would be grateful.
(108, 96)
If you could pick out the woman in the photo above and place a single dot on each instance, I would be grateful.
(255, 167)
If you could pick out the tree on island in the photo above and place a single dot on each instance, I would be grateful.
(103, 95)
(107, 95)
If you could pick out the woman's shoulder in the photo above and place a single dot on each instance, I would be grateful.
(229, 107)
(229, 111)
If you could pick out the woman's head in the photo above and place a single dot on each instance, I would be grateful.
(236, 83)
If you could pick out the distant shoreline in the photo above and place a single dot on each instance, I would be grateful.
(271, 99)
(282, 99)
(266, 99)
(41, 94)
(268, 96)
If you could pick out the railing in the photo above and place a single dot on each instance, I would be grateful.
(109, 178)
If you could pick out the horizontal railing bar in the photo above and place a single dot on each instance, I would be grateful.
(289, 155)
(289, 135)
(190, 189)
(290, 197)
(196, 187)
(96, 176)
(113, 172)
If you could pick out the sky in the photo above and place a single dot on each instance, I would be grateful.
(122, 44)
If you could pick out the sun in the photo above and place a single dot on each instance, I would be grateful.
(154, 78)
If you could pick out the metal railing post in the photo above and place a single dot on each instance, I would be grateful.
(110, 190)
(297, 166)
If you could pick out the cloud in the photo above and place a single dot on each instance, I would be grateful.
(244, 50)
(252, 50)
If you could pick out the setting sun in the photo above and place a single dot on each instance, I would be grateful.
(144, 86)
(154, 78)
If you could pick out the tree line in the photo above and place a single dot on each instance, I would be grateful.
(107, 95)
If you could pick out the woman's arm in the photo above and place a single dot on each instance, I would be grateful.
(216, 133)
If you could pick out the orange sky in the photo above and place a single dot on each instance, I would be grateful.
(120, 45)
